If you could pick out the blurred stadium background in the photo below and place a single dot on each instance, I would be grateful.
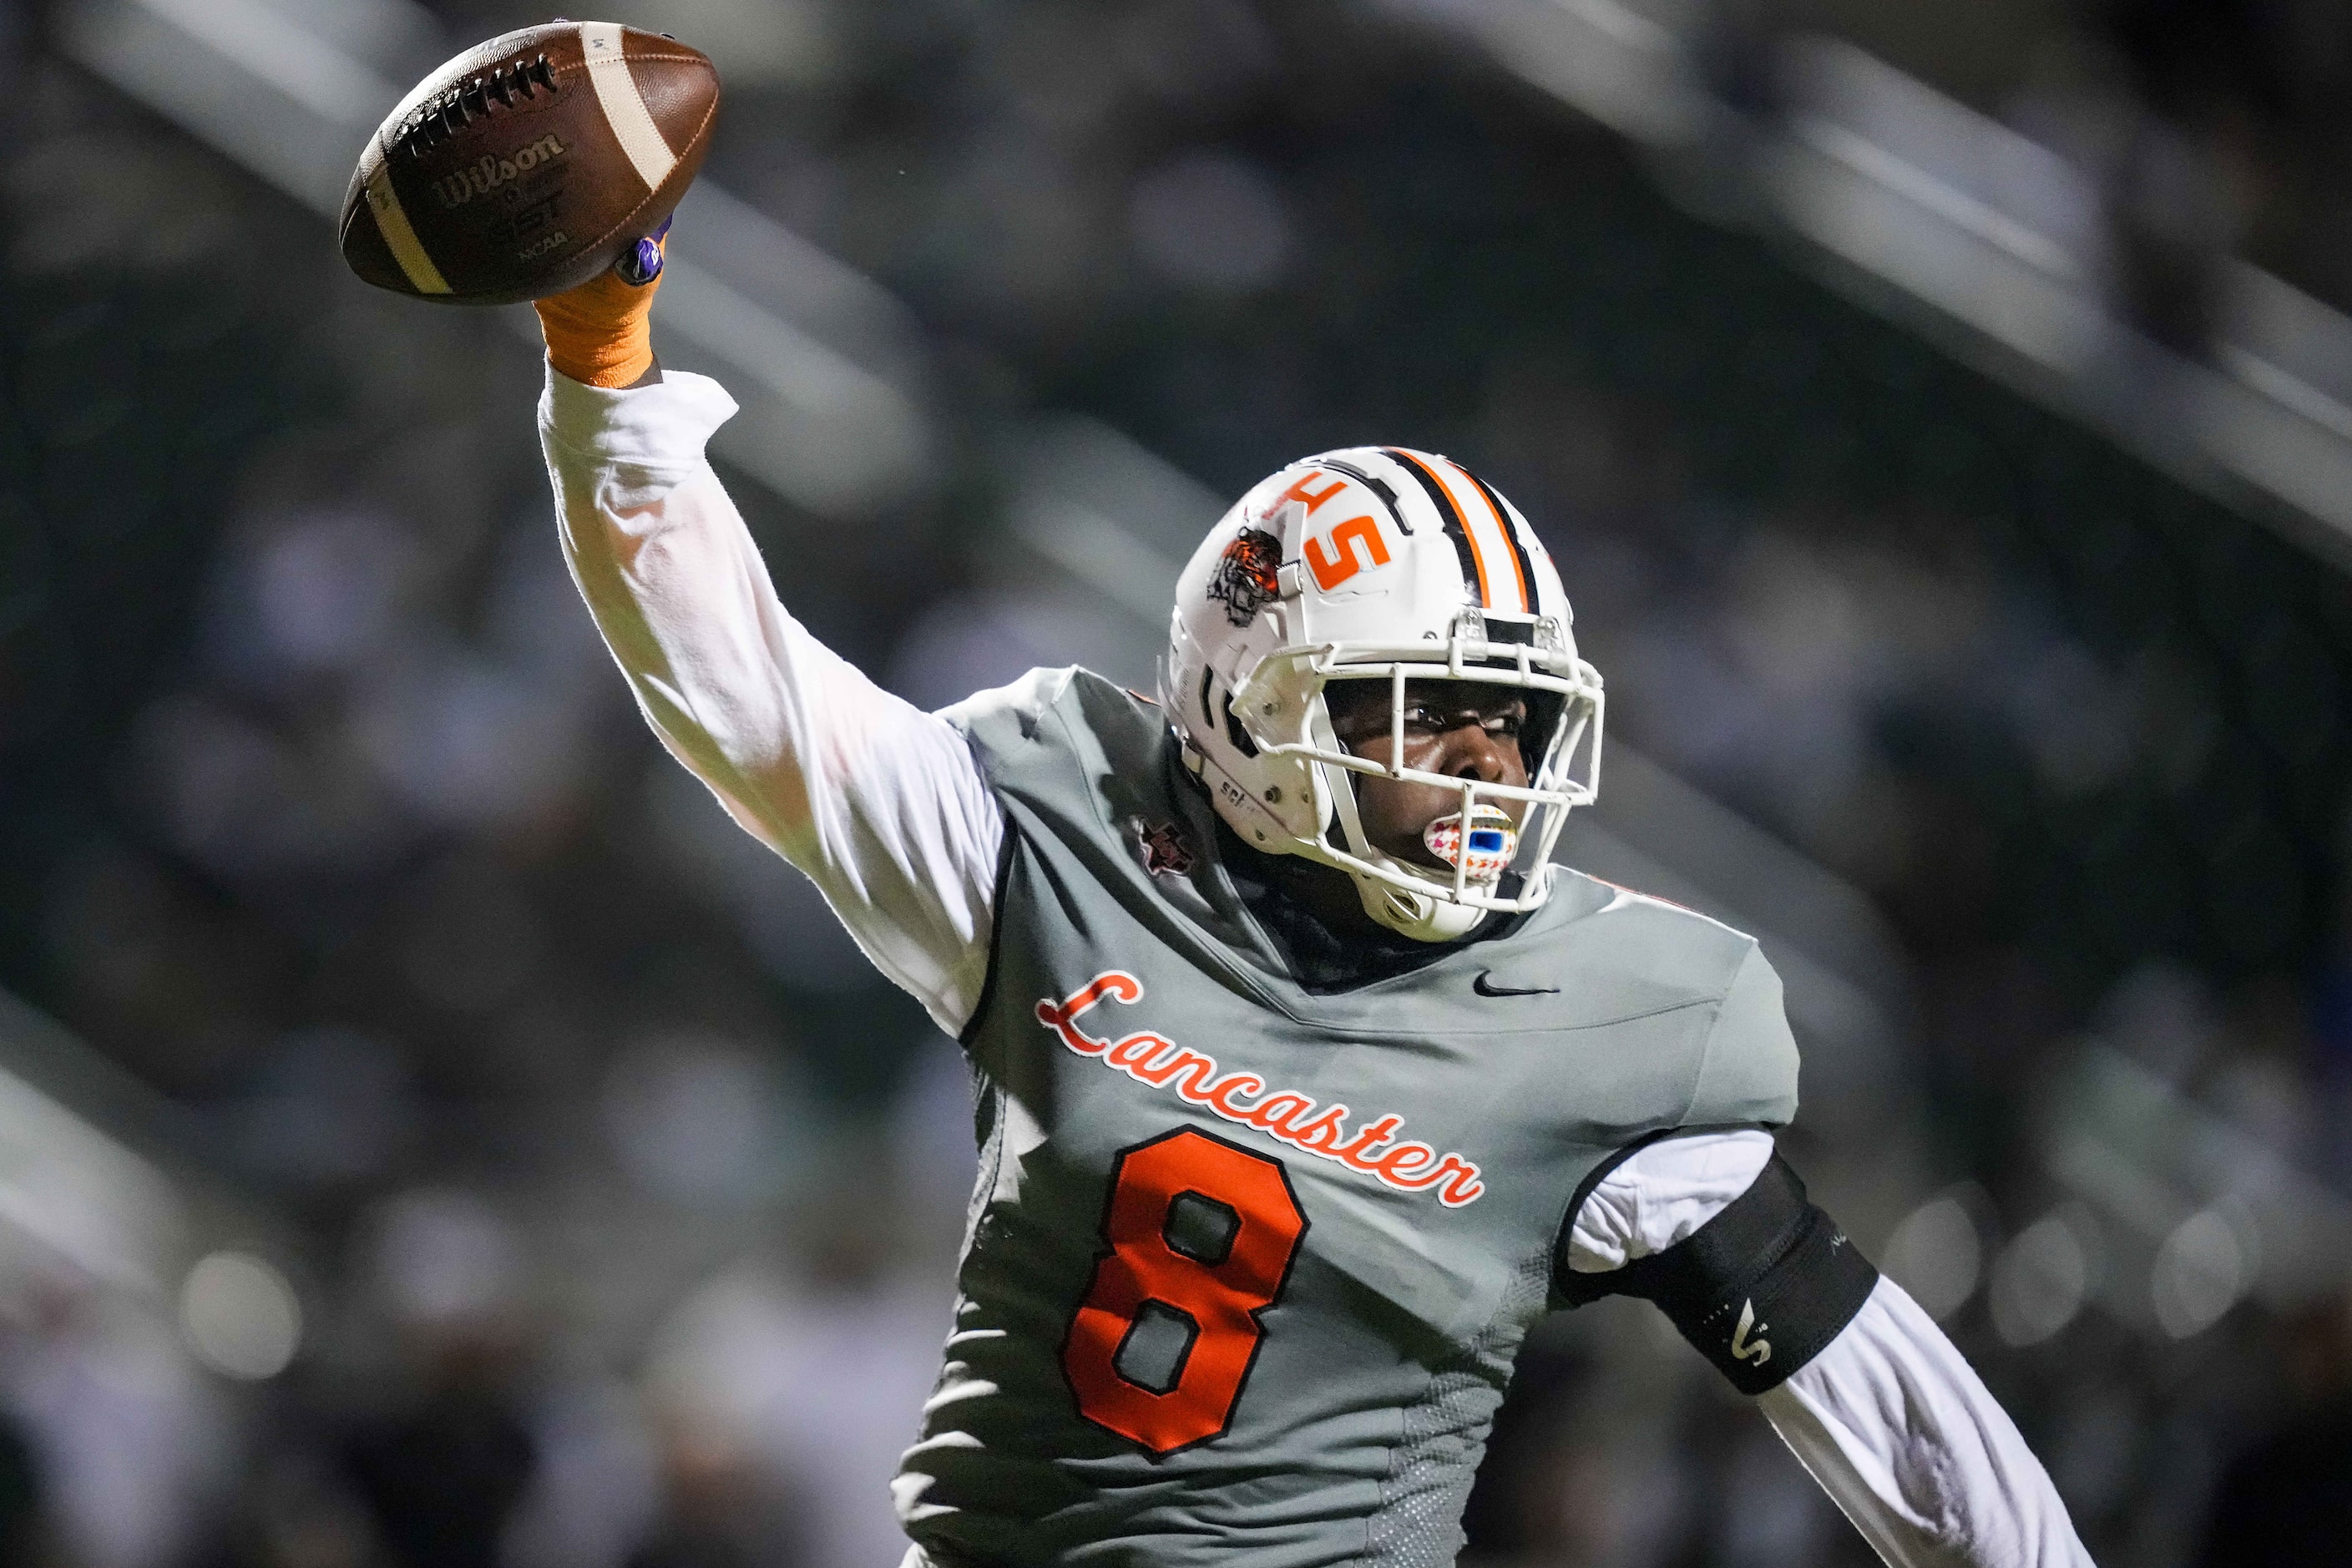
(430, 1134)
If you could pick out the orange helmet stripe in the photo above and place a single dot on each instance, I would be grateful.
(1489, 507)
(1419, 465)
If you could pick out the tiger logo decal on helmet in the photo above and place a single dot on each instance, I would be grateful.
(1245, 579)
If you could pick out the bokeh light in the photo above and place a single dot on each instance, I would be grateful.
(241, 1316)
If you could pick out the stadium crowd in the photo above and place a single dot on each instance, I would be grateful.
(626, 1195)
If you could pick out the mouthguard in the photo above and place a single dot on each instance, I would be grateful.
(1492, 842)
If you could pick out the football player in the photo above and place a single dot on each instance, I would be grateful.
(1306, 1080)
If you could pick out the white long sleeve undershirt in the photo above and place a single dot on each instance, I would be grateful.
(1889, 1418)
(884, 808)
(877, 802)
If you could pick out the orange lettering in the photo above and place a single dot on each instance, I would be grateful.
(1353, 1152)
(1275, 1111)
(1135, 1051)
(1196, 1069)
(1221, 1094)
(1465, 1188)
(1060, 1016)
(1323, 1134)
(1453, 1166)
(1312, 497)
(1290, 1117)
(1392, 1166)
(1340, 563)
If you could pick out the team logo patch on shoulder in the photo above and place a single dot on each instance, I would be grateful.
(1248, 575)
(1376, 1147)
(1165, 853)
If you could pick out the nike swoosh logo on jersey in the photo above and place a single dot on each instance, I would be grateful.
(1484, 985)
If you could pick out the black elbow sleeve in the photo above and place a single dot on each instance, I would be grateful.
(1759, 1289)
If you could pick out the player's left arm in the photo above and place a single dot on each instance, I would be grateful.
(1715, 1228)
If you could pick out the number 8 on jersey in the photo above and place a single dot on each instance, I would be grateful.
(1216, 1263)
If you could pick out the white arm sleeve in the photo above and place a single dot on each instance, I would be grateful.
(880, 803)
(1889, 1418)
(1899, 1430)
(1661, 1193)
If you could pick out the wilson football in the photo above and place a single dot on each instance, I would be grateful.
(527, 164)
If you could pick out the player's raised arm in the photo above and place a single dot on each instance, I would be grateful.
(1715, 1229)
(878, 802)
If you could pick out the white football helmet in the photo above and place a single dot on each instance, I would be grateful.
(1380, 564)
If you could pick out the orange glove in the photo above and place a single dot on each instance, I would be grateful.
(601, 331)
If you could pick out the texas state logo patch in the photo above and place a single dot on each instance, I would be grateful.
(1165, 853)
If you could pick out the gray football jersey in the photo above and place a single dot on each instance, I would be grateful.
(1246, 1267)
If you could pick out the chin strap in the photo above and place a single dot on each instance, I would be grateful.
(1416, 915)
(1338, 788)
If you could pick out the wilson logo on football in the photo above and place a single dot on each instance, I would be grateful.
(487, 174)
(1245, 1099)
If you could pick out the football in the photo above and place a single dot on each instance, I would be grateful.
(529, 163)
